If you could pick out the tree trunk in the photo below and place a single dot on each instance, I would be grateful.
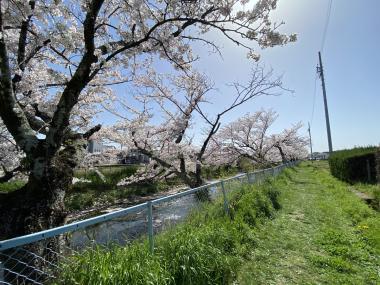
(202, 195)
(283, 157)
(37, 206)
(198, 176)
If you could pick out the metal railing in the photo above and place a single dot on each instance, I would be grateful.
(36, 258)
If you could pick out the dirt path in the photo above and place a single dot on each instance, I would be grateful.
(324, 234)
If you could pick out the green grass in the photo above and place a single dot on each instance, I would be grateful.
(372, 190)
(323, 234)
(87, 194)
(11, 186)
(84, 195)
(97, 192)
(213, 172)
(112, 176)
(244, 165)
(206, 249)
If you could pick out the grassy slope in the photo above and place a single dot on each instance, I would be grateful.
(98, 192)
(84, 195)
(322, 235)
(373, 190)
(206, 249)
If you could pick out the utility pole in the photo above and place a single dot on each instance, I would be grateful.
(321, 75)
(311, 145)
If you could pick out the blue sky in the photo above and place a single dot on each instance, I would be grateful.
(351, 59)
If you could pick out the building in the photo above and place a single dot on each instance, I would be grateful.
(96, 147)
(320, 155)
(134, 156)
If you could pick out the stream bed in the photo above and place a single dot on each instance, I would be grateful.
(133, 226)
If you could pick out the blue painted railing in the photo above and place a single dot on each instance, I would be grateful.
(34, 237)
(16, 244)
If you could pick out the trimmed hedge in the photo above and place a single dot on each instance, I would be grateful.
(351, 165)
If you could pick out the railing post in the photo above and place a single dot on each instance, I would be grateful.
(261, 178)
(225, 199)
(150, 226)
(248, 178)
(253, 177)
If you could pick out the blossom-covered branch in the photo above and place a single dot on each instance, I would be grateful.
(179, 102)
(250, 137)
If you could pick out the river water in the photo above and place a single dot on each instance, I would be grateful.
(133, 226)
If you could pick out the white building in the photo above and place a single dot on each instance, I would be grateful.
(320, 155)
(95, 147)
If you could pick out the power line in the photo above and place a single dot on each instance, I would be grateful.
(326, 25)
(321, 73)
(314, 96)
(324, 35)
(310, 142)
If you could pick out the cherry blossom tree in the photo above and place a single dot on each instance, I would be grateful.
(160, 129)
(59, 59)
(108, 156)
(177, 103)
(250, 137)
(247, 136)
(290, 144)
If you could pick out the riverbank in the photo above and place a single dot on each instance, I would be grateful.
(206, 248)
(93, 194)
(323, 234)
(117, 204)
(130, 200)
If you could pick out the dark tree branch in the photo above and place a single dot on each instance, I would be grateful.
(70, 135)
(10, 111)
(150, 154)
(9, 174)
(92, 131)
(41, 114)
(77, 83)
(23, 37)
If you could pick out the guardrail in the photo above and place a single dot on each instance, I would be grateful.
(34, 258)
